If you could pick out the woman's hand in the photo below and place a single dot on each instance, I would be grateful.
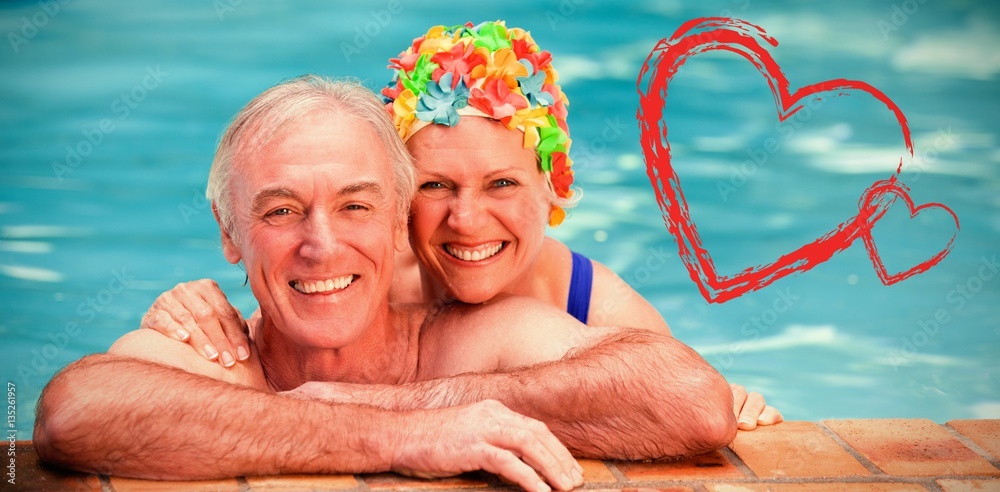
(198, 313)
(751, 410)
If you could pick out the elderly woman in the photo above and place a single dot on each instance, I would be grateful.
(483, 116)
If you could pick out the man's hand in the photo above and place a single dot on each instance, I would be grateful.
(486, 436)
(198, 313)
(751, 410)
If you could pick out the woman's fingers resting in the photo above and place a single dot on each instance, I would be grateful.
(198, 313)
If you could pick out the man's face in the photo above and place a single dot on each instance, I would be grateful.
(316, 213)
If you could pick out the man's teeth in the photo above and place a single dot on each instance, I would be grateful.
(323, 285)
(474, 254)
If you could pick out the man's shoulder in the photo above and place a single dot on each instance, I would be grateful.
(151, 346)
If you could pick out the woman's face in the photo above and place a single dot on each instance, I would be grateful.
(481, 207)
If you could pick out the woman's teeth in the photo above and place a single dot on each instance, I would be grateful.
(474, 254)
(323, 285)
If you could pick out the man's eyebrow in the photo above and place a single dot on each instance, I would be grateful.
(362, 187)
(261, 197)
(259, 200)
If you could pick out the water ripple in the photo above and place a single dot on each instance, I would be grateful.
(31, 273)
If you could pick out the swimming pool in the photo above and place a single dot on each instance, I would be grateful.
(111, 112)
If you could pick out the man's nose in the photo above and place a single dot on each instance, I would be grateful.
(467, 213)
(319, 240)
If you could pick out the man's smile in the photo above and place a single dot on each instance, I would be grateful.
(322, 286)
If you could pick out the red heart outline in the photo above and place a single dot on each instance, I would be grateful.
(876, 193)
(740, 37)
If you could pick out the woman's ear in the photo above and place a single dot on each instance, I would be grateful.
(229, 246)
(556, 216)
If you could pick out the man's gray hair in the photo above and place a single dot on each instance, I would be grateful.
(266, 114)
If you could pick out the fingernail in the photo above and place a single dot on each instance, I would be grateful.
(544, 487)
(181, 334)
(241, 353)
(745, 425)
(566, 482)
(227, 359)
(577, 477)
(210, 352)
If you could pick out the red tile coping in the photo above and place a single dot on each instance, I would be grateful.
(984, 433)
(834, 455)
(915, 447)
(795, 450)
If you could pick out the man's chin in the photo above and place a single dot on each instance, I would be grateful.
(326, 333)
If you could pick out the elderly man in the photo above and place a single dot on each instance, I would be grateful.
(310, 186)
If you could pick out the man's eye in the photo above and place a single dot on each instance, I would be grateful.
(280, 211)
(432, 185)
(356, 206)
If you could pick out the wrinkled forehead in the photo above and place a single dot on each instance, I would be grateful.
(322, 144)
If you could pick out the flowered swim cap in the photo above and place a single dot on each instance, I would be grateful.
(491, 71)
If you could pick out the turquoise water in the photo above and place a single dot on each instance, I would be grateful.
(140, 91)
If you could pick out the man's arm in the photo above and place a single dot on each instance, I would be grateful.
(121, 416)
(606, 393)
(614, 302)
(118, 415)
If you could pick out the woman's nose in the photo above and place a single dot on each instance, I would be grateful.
(467, 213)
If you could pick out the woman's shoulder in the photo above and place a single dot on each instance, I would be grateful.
(614, 302)
(564, 257)
(553, 247)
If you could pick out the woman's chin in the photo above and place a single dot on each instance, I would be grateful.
(473, 294)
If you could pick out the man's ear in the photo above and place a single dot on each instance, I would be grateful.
(229, 248)
(401, 238)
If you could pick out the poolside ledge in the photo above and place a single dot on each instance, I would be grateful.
(832, 455)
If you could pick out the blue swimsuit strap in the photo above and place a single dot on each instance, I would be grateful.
(580, 285)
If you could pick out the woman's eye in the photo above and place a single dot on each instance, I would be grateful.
(504, 182)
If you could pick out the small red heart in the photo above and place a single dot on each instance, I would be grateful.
(705, 34)
(878, 192)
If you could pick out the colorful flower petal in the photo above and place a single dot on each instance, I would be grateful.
(439, 104)
(460, 61)
(404, 111)
(497, 100)
(491, 35)
(532, 86)
(417, 80)
(561, 175)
